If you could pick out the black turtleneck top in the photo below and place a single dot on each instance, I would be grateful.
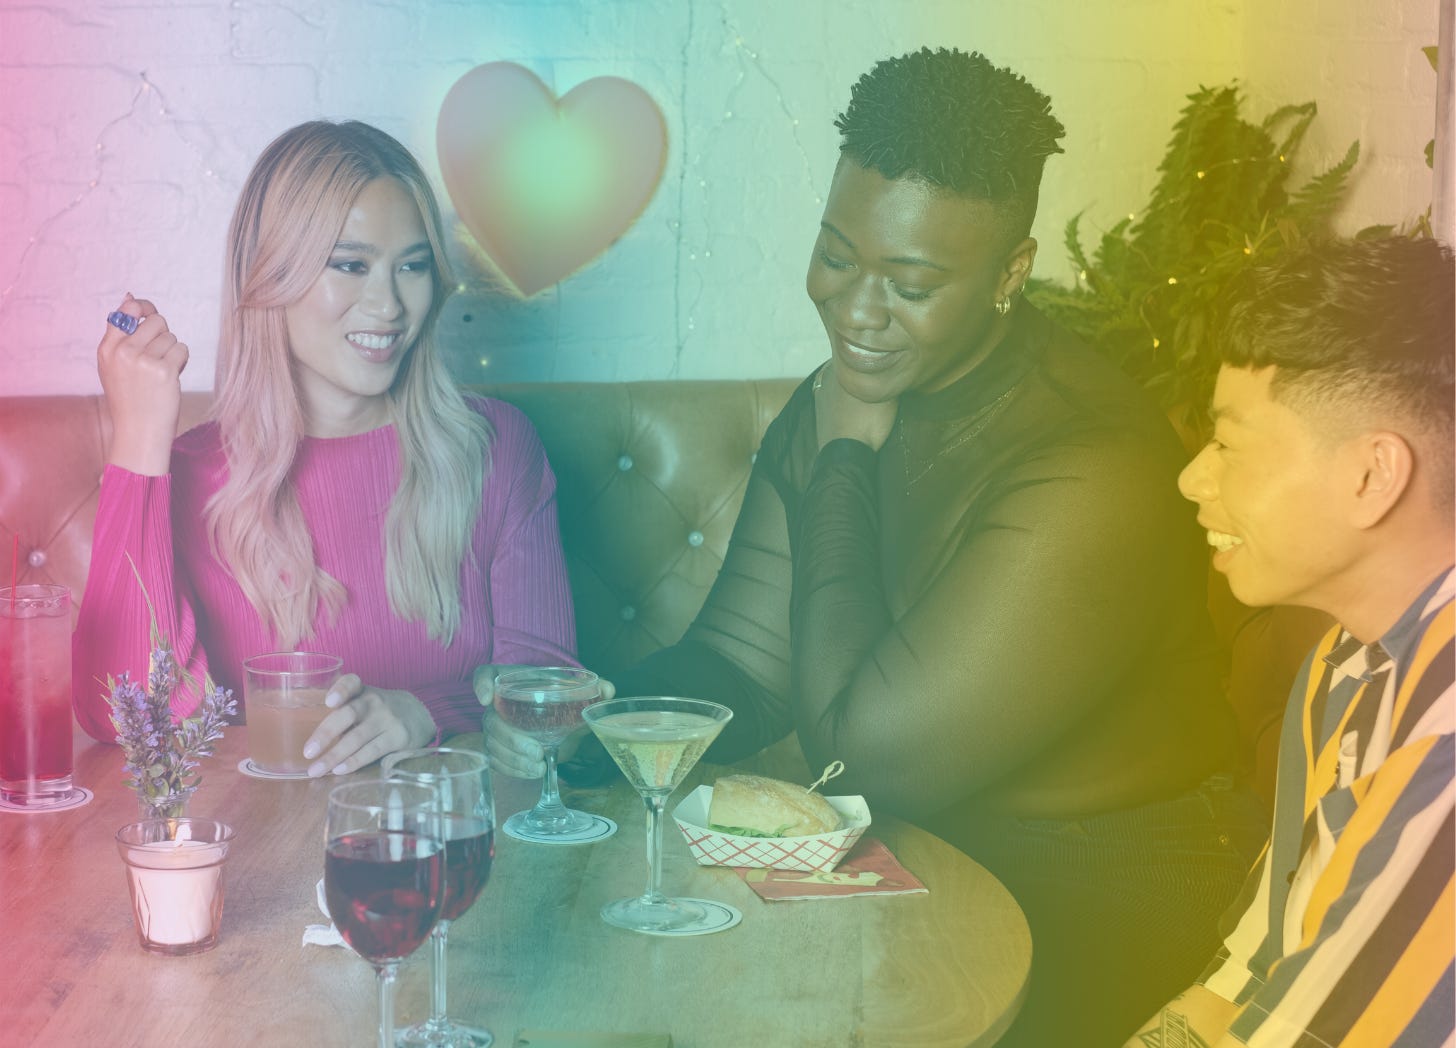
(1002, 608)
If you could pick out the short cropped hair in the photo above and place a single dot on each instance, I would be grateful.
(956, 121)
(1368, 326)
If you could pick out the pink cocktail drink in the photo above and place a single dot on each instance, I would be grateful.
(550, 721)
(35, 695)
(546, 703)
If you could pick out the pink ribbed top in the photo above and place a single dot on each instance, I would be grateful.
(516, 600)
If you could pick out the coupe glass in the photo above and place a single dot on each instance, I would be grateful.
(655, 741)
(462, 778)
(384, 866)
(546, 702)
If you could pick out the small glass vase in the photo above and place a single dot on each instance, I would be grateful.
(167, 806)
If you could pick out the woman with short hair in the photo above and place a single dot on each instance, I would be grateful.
(962, 567)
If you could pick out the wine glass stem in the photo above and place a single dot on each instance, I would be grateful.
(386, 973)
(438, 939)
(655, 804)
(550, 802)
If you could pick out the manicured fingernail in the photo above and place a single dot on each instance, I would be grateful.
(332, 699)
(311, 751)
(342, 769)
(315, 770)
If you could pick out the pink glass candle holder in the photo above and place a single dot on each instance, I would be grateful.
(174, 869)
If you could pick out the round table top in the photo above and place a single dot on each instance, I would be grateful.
(944, 968)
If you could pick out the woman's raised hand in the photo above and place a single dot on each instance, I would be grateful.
(839, 414)
(141, 374)
(366, 724)
(513, 752)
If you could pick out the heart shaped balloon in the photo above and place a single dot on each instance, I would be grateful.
(545, 186)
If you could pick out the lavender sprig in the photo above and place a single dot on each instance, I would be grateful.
(162, 760)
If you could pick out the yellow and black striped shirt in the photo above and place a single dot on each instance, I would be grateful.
(1345, 933)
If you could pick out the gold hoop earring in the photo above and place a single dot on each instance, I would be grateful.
(1003, 305)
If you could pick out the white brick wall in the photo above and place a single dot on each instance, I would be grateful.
(126, 129)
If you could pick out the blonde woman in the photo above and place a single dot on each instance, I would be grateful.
(345, 497)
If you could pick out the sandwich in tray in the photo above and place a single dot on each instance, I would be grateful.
(753, 821)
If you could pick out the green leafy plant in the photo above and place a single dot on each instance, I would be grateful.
(1143, 296)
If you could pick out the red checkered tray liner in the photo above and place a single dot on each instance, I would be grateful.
(819, 852)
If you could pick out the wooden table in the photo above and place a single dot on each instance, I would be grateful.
(947, 968)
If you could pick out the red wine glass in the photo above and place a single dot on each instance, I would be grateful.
(462, 778)
(384, 865)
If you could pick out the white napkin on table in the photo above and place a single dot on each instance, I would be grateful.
(322, 934)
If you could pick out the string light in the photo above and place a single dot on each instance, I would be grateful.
(145, 89)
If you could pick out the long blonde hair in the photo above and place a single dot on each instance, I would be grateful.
(283, 232)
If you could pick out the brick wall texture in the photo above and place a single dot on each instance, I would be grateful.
(126, 129)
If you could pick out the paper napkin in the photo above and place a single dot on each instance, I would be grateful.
(590, 1039)
(869, 869)
(322, 934)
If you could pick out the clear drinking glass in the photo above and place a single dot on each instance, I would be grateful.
(35, 695)
(283, 694)
(462, 778)
(655, 741)
(384, 867)
(546, 702)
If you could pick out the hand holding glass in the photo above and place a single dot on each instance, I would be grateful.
(284, 694)
(384, 863)
(462, 778)
(655, 741)
(545, 702)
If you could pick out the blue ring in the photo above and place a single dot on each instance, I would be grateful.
(125, 321)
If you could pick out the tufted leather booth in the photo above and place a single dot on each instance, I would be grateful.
(650, 476)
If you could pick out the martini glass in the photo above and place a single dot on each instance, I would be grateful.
(546, 702)
(655, 741)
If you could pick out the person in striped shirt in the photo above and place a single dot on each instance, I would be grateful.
(1329, 484)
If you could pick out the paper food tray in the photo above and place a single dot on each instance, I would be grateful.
(821, 851)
